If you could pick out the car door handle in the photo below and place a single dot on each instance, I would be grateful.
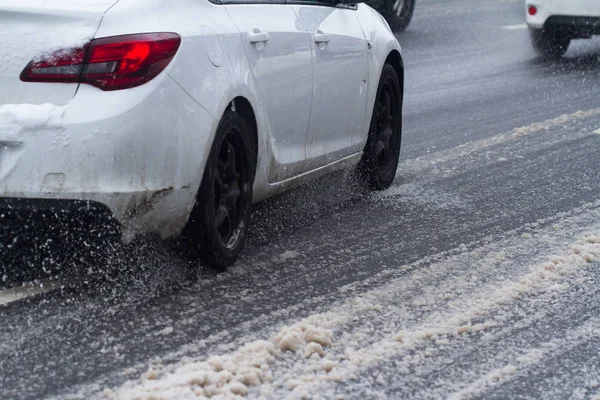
(259, 37)
(321, 37)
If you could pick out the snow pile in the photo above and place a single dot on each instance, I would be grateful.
(226, 376)
(15, 118)
(303, 335)
(286, 256)
(165, 332)
(229, 376)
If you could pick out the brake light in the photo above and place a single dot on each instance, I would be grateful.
(112, 63)
(532, 10)
(60, 66)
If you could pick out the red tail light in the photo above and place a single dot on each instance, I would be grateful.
(112, 63)
(532, 10)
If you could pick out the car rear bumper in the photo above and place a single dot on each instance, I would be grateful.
(575, 26)
(137, 152)
(563, 13)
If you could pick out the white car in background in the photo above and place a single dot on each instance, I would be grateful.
(554, 23)
(175, 116)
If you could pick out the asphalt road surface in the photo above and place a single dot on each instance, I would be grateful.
(475, 276)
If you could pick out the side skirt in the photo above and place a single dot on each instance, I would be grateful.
(271, 189)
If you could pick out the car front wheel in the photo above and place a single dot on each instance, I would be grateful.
(379, 162)
(549, 44)
(218, 224)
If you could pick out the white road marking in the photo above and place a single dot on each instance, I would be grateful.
(28, 290)
(597, 131)
(514, 27)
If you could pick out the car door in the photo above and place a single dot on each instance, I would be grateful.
(279, 53)
(340, 73)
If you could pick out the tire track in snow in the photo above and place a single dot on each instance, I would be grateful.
(311, 344)
(529, 358)
(452, 326)
(531, 322)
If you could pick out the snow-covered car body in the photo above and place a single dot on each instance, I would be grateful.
(570, 14)
(306, 74)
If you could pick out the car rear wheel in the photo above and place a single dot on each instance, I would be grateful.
(219, 222)
(379, 163)
(549, 44)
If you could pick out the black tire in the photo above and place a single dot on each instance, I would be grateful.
(377, 168)
(549, 44)
(398, 13)
(218, 225)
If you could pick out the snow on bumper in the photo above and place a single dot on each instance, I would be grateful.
(549, 8)
(139, 152)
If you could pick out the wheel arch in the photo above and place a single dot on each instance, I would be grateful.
(242, 106)
(395, 60)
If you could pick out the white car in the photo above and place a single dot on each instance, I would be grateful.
(554, 23)
(175, 116)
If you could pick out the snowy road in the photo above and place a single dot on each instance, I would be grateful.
(475, 276)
